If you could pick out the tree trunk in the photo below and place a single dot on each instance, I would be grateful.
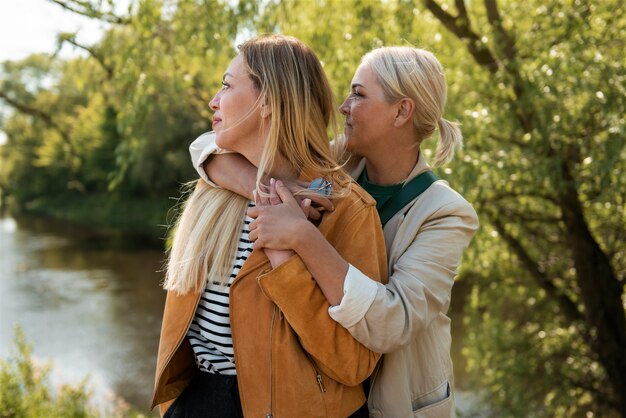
(601, 292)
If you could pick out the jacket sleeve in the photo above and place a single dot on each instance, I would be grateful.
(336, 353)
(387, 317)
(201, 149)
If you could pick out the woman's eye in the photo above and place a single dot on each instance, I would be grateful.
(225, 85)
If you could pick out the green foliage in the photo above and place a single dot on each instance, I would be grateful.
(26, 391)
(537, 86)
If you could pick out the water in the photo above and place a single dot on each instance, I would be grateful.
(91, 302)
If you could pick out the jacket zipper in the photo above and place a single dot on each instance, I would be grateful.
(179, 343)
(318, 376)
(270, 414)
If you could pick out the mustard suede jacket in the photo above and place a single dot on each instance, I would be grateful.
(292, 359)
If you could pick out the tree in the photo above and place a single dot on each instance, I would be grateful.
(554, 119)
(540, 91)
(538, 87)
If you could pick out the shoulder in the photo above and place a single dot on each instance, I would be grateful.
(440, 218)
(440, 200)
(353, 207)
(440, 197)
(351, 193)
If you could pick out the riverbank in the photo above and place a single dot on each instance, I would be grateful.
(144, 219)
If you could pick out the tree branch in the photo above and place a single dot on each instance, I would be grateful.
(47, 119)
(506, 42)
(85, 8)
(31, 111)
(567, 305)
(460, 26)
(91, 51)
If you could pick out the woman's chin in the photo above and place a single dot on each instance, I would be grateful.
(349, 144)
(220, 141)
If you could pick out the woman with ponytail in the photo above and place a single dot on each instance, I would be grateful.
(396, 102)
(246, 330)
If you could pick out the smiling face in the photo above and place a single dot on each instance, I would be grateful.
(369, 117)
(238, 120)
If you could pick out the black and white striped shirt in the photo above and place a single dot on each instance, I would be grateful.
(209, 332)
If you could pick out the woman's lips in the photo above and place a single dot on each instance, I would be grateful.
(215, 121)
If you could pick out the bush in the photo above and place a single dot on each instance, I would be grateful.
(26, 392)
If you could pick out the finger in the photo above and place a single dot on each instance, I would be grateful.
(309, 212)
(284, 194)
(322, 201)
(258, 245)
(253, 235)
(254, 212)
(253, 225)
(314, 214)
(257, 202)
(263, 199)
(274, 198)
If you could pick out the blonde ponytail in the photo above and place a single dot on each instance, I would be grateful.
(450, 140)
(417, 74)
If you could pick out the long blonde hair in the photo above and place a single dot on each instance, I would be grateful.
(290, 79)
(407, 72)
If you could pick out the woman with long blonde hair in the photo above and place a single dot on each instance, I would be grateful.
(396, 101)
(246, 331)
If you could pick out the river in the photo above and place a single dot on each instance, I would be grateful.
(91, 302)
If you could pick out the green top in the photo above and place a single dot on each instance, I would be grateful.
(380, 193)
(390, 199)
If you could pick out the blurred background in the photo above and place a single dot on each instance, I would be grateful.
(99, 101)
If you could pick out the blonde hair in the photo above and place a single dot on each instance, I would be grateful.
(407, 72)
(291, 81)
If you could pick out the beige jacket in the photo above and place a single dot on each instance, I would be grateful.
(292, 359)
(407, 317)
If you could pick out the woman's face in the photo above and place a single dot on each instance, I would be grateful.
(369, 117)
(238, 113)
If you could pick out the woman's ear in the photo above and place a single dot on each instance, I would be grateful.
(404, 112)
(266, 110)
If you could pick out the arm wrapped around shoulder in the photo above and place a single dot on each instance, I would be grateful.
(357, 236)
(387, 317)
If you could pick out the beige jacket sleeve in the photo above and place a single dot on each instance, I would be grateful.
(200, 150)
(387, 317)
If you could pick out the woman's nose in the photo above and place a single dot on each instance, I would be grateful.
(214, 104)
(344, 109)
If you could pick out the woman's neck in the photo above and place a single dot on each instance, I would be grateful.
(281, 169)
(391, 169)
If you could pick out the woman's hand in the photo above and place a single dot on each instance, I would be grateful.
(317, 201)
(279, 221)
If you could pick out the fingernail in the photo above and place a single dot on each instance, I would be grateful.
(272, 181)
(279, 183)
(307, 202)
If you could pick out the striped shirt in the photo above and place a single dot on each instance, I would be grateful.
(209, 332)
